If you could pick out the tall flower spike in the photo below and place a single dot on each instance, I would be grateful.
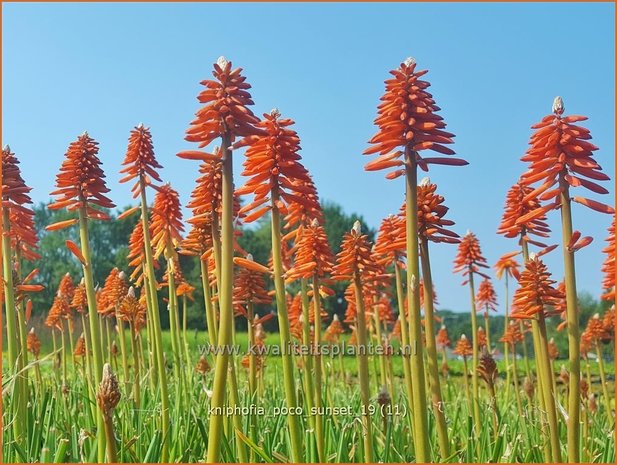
(390, 243)
(463, 347)
(313, 255)
(522, 217)
(304, 213)
(469, 258)
(536, 291)
(486, 298)
(81, 181)
(355, 257)
(272, 164)
(408, 116)
(561, 155)
(507, 265)
(140, 161)
(166, 222)
(608, 267)
(431, 212)
(14, 189)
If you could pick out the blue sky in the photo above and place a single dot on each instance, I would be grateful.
(494, 69)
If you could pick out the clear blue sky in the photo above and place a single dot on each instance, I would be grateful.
(494, 71)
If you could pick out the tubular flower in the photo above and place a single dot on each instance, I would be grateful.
(301, 214)
(481, 337)
(33, 343)
(609, 322)
(431, 212)
(507, 265)
(521, 215)
(390, 243)
(272, 164)
(608, 267)
(334, 330)
(80, 300)
(355, 257)
(81, 181)
(206, 197)
(137, 253)
(443, 339)
(24, 239)
(313, 255)
(225, 111)
(166, 221)
(513, 334)
(469, 258)
(463, 347)
(407, 117)
(132, 310)
(535, 292)
(80, 346)
(14, 189)
(58, 311)
(199, 239)
(250, 287)
(140, 161)
(114, 291)
(486, 297)
(66, 288)
(553, 351)
(596, 330)
(559, 156)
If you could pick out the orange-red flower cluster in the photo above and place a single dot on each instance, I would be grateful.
(132, 310)
(250, 284)
(33, 343)
(595, 329)
(355, 258)
(313, 255)
(443, 339)
(523, 215)
(536, 291)
(137, 253)
(608, 267)
(334, 330)
(301, 214)
(80, 298)
(559, 155)
(469, 258)
(390, 243)
(513, 334)
(431, 212)
(463, 347)
(114, 291)
(486, 297)
(140, 161)
(407, 118)
(507, 265)
(166, 222)
(81, 181)
(272, 164)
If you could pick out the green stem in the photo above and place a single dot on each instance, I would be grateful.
(431, 349)
(400, 297)
(319, 421)
(421, 432)
(210, 317)
(252, 375)
(607, 399)
(474, 361)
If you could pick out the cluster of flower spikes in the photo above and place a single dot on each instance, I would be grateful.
(486, 297)
(81, 181)
(523, 216)
(334, 330)
(608, 267)
(273, 167)
(507, 266)
(250, 285)
(113, 292)
(139, 162)
(536, 292)
(407, 118)
(561, 155)
(166, 220)
(513, 334)
(463, 347)
(132, 310)
(15, 198)
(469, 258)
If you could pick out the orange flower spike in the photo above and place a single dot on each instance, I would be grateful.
(66, 288)
(79, 301)
(249, 284)
(166, 221)
(334, 330)
(407, 117)
(313, 255)
(14, 189)
(81, 181)
(302, 213)
(114, 289)
(513, 334)
(463, 347)
(608, 267)
(355, 257)
(524, 215)
(33, 343)
(486, 298)
(139, 161)
(272, 164)
(469, 258)
(595, 329)
(609, 322)
(431, 212)
(482, 341)
(508, 266)
(390, 242)
(553, 352)
(536, 291)
(24, 239)
(443, 339)
(132, 310)
(560, 155)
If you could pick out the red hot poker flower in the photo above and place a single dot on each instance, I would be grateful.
(608, 267)
(507, 265)
(313, 255)
(443, 339)
(391, 243)
(355, 257)
(272, 164)
(81, 181)
(166, 221)
(469, 258)
(14, 188)
(250, 285)
(521, 215)
(559, 156)
(513, 334)
(407, 117)
(536, 291)
(486, 297)
(431, 212)
(463, 347)
(140, 161)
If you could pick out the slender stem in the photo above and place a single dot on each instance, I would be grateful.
(123, 352)
(404, 335)
(319, 426)
(252, 374)
(574, 403)
(421, 432)
(517, 393)
(506, 345)
(150, 280)
(487, 327)
(431, 350)
(363, 370)
(466, 382)
(210, 317)
(135, 350)
(309, 396)
(293, 420)
(112, 452)
(607, 399)
(474, 361)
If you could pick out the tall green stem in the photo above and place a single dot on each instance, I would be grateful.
(319, 433)
(293, 420)
(431, 349)
(423, 452)
(210, 316)
(404, 335)
(475, 399)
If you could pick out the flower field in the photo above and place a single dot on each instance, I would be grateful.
(114, 371)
